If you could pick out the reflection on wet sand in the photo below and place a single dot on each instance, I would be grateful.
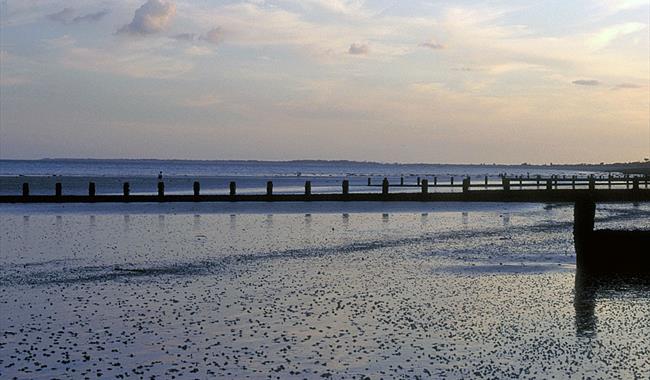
(590, 287)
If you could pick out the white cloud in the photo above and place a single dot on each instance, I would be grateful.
(152, 17)
(359, 49)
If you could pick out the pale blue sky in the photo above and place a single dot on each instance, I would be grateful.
(410, 81)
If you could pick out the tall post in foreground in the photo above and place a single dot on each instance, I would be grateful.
(233, 188)
(25, 189)
(91, 189)
(308, 187)
(161, 189)
(425, 186)
(384, 186)
(584, 214)
(346, 187)
(197, 188)
(58, 191)
(126, 189)
(269, 188)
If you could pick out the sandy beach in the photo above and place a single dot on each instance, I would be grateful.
(456, 292)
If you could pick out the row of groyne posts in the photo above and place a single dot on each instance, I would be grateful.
(506, 184)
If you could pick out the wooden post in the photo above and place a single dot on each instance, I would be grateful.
(161, 189)
(197, 188)
(486, 181)
(308, 187)
(466, 183)
(635, 184)
(520, 183)
(549, 184)
(401, 181)
(419, 181)
(369, 181)
(506, 183)
(425, 186)
(91, 189)
(346, 187)
(25, 189)
(126, 189)
(269, 188)
(584, 213)
(609, 181)
(435, 181)
(58, 191)
(452, 181)
(233, 188)
(573, 182)
(384, 186)
(592, 184)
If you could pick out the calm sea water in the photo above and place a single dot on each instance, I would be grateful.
(251, 176)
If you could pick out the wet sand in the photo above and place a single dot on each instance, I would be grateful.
(480, 292)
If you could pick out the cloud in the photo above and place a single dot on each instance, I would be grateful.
(152, 17)
(63, 16)
(91, 17)
(358, 49)
(432, 44)
(67, 16)
(627, 86)
(586, 82)
(184, 36)
(213, 36)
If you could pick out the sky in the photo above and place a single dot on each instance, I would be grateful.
(394, 81)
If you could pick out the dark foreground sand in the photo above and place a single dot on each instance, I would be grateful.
(476, 293)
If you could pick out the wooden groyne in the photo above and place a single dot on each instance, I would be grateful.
(471, 192)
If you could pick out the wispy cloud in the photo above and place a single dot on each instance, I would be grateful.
(432, 44)
(67, 16)
(586, 82)
(359, 49)
(152, 17)
(213, 36)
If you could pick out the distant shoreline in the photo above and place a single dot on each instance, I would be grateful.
(623, 167)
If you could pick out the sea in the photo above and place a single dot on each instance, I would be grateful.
(359, 290)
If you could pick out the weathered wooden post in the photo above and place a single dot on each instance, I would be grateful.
(25, 189)
(506, 183)
(466, 183)
(369, 181)
(592, 184)
(58, 191)
(384, 186)
(308, 187)
(197, 188)
(609, 181)
(435, 181)
(452, 181)
(425, 186)
(401, 181)
(161, 189)
(91, 189)
(635, 184)
(549, 184)
(573, 182)
(486, 181)
(126, 189)
(346, 187)
(269, 188)
(233, 188)
(584, 213)
(419, 181)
